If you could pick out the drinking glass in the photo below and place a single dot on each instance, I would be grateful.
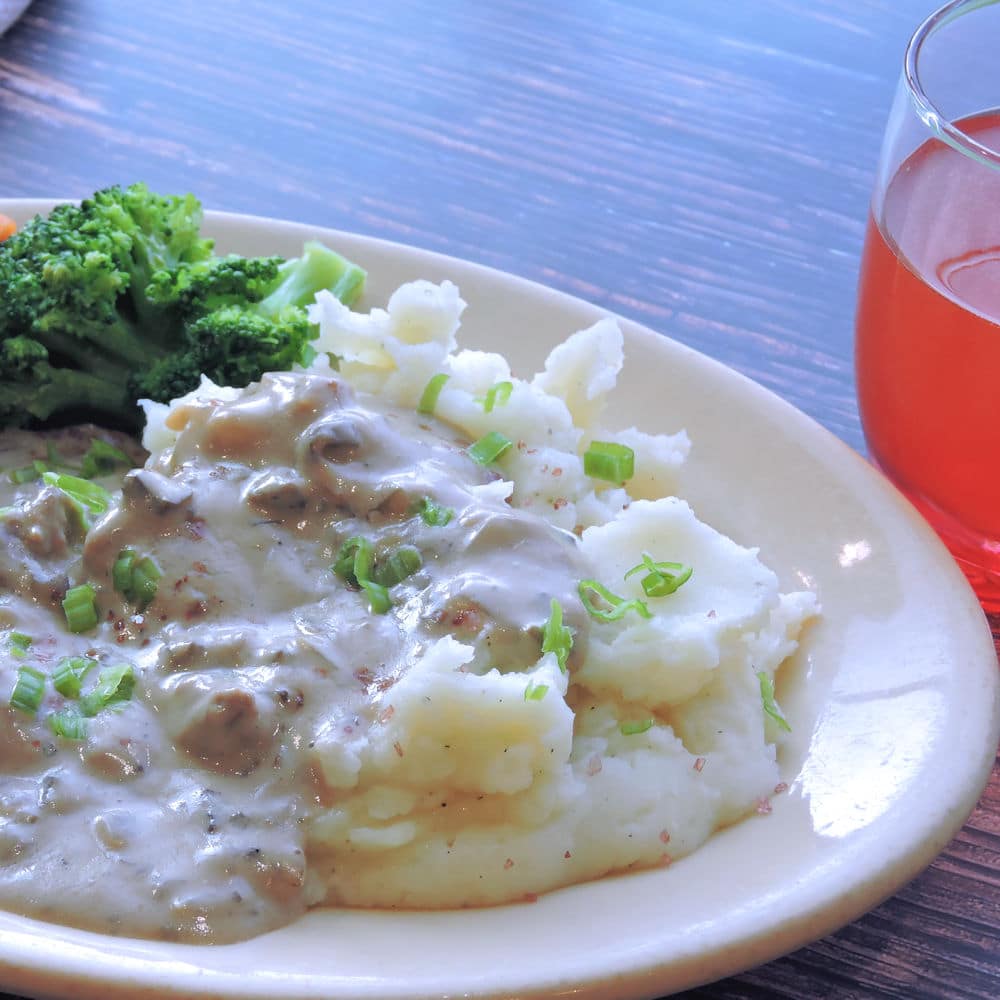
(927, 350)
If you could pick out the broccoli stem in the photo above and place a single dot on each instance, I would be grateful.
(65, 391)
(300, 279)
(117, 352)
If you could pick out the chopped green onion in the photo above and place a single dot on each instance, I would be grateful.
(29, 689)
(619, 607)
(69, 724)
(145, 577)
(770, 705)
(102, 458)
(95, 498)
(378, 596)
(354, 565)
(136, 577)
(498, 394)
(662, 578)
(432, 513)
(354, 560)
(114, 684)
(364, 555)
(556, 637)
(121, 573)
(80, 608)
(19, 643)
(68, 676)
(429, 397)
(535, 692)
(397, 566)
(24, 475)
(634, 728)
(489, 448)
(614, 463)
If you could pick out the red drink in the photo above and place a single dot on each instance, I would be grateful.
(928, 345)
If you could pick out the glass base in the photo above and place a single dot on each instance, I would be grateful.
(977, 556)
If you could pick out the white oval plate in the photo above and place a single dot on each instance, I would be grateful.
(893, 698)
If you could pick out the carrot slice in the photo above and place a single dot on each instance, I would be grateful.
(7, 227)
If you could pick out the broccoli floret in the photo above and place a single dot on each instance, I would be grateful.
(232, 345)
(274, 283)
(211, 284)
(61, 283)
(157, 231)
(242, 316)
(121, 298)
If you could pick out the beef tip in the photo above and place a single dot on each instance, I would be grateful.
(35, 541)
(219, 720)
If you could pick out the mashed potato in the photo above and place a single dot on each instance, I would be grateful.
(469, 791)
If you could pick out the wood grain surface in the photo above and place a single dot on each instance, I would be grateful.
(704, 168)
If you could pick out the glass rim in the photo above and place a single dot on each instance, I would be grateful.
(927, 110)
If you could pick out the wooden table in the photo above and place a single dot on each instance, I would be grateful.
(702, 168)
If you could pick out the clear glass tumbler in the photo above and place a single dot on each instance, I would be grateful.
(927, 350)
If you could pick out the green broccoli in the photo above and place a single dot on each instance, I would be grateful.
(273, 283)
(120, 298)
(232, 345)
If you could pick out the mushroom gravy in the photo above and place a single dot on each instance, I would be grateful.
(184, 812)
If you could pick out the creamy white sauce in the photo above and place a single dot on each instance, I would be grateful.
(183, 813)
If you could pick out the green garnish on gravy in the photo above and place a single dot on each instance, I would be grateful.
(80, 608)
(356, 564)
(114, 684)
(19, 644)
(69, 724)
(68, 676)
(395, 567)
(433, 514)
(136, 577)
(29, 689)
(95, 499)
